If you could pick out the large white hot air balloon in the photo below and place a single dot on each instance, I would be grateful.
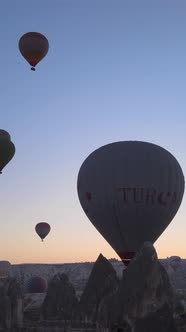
(130, 191)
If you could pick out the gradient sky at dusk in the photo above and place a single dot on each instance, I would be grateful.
(115, 70)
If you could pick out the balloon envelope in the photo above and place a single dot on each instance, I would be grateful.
(130, 191)
(33, 47)
(42, 229)
(36, 284)
(7, 149)
(4, 134)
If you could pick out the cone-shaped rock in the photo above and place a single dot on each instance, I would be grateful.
(102, 281)
(11, 304)
(144, 288)
(60, 301)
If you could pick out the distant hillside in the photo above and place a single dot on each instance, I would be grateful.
(78, 273)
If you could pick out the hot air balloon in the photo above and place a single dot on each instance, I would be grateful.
(36, 284)
(7, 149)
(5, 268)
(42, 229)
(33, 47)
(130, 191)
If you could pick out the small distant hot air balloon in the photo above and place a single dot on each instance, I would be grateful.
(130, 191)
(42, 229)
(7, 149)
(5, 268)
(33, 47)
(36, 284)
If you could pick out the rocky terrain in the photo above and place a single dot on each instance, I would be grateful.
(102, 282)
(150, 295)
(78, 273)
(11, 304)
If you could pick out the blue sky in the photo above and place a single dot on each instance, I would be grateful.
(115, 70)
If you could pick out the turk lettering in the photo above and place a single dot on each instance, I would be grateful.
(149, 196)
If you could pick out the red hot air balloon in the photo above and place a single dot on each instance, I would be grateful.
(36, 284)
(42, 229)
(33, 47)
(7, 149)
(130, 191)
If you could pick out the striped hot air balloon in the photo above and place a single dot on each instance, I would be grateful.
(130, 191)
